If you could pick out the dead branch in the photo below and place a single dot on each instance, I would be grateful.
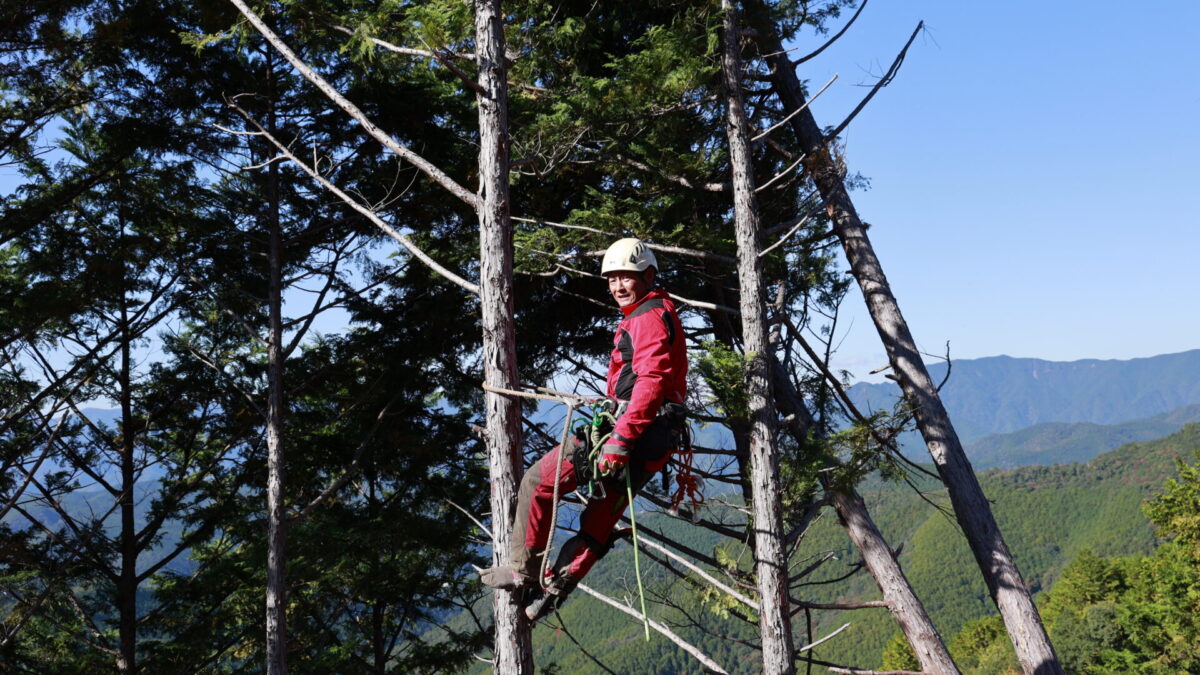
(779, 175)
(710, 666)
(680, 180)
(869, 604)
(797, 111)
(736, 595)
(407, 51)
(466, 79)
(342, 102)
(356, 205)
(700, 304)
(809, 646)
(799, 224)
(883, 82)
(833, 39)
(861, 671)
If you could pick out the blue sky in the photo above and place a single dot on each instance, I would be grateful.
(1033, 175)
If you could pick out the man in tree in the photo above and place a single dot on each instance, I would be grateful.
(647, 382)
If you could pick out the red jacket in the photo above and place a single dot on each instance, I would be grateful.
(648, 364)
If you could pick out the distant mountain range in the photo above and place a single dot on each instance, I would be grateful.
(1001, 394)
(1062, 443)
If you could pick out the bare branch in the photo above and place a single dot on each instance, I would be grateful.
(357, 206)
(710, 666)
(342, 102)
(779, 175)
(797, 111)
(883, 82)
(700, 304)
(407, 51)
(466, 79)
(833, 39)
(681, 180)
(799, 224)
(736, 595)
(861, 671)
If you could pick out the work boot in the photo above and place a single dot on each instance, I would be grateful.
(552, 597)
(505, 577)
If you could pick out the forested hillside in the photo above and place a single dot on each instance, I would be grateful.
(1050, 514)
(1062, 442)
(1002, 394)
(280, 281)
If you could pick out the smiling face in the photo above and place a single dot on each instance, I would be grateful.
(629, 287)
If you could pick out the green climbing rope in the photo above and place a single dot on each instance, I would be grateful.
(599, 419)
(637, 567)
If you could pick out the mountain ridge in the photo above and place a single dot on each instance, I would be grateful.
(1000, 394)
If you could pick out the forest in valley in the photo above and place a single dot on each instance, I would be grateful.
(259, 261)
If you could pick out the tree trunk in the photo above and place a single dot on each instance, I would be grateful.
(902, 602)
(514, 653)
(1004, 582)
(127, 582)
(770, 557)
(897, 593)
(276, 506)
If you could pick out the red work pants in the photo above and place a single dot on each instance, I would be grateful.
(531, 528)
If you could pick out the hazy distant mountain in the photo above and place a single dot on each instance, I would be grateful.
(1000, 394)
(1062, 443)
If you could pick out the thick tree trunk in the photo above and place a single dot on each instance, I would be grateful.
(276, 619)
(902, 602)
(1004, 582)
(514, 653)
(770, 557)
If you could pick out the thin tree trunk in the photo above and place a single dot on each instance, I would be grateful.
(902, 602)
(897, 593)
(127, 582)
(770, 557)
(514, 652)
(276, 619)
(1008, 590)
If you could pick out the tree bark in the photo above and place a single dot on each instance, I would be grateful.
(1004, 582)
(127, 581)
(898, 594)
(901, 601)
(514, 653)
(276, 619)
(770, 557)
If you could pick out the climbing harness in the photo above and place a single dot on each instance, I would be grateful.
(589, 477)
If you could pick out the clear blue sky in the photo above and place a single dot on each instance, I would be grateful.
(1035, 189)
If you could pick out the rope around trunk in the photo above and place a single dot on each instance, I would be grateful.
(572, 402)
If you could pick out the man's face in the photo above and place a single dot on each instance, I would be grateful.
(629, 287)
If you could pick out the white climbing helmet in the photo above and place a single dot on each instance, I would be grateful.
(628, 254)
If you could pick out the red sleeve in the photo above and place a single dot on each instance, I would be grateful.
(652, 364)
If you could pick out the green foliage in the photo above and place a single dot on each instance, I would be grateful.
(1177, 510)
(898, 654)
(1132, 614)
(724, 371)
